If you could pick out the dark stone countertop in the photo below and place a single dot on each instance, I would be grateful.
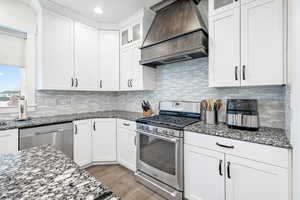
(267, 136)
(39, 121)
(46, 173)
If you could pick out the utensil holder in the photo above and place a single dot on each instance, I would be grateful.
(210, 117)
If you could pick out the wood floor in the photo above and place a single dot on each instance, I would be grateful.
(122, 182)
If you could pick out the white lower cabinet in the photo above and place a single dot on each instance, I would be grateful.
(204, 174)
(104, 140)
(250, 180)
(8, 141)
(126, 144)
(82, 142)
(217, 173)
(94, 141)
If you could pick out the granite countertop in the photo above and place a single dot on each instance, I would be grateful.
(46, 173)
(39, 121)
(267, 136)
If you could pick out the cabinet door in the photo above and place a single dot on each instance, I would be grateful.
(220, 6)
(125, 37)
(9, 141)
(262, 43)
(136, 32)
(136, 79)
(82, 142)
(204, 174)
(58, 67)
(224, 57)
(109, 60)
(104, 140)
(126, 148)
(125, 68)
(86, 57)
(248, 180)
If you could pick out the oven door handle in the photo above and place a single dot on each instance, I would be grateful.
(173, 140)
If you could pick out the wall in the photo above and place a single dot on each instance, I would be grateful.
(294, 83)
(189, 81)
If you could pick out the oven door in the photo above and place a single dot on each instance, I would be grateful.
(161, 158)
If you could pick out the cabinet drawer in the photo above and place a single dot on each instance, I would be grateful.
(8, 141)
(129, 125)
(261, 153)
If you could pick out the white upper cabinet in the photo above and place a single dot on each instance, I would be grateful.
(262, 42)
(248, 180)
(204, 174)
(247, 44)
(224, 43)
(219, 6)
(56, 66)
(131, 34)
(104, 140)
(109, 60)
(86, 57)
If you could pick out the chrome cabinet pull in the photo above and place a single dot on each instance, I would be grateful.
(131, 85)
(220, 167)
(236, 73)
(244, 72)
(100, 83)
(76, 82)
(72, 82)
(225, 146)
(128, 83)
(76, 129)
(135, 141)
(94, 126)
(228, 170)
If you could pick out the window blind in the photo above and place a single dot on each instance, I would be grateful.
(12, 47)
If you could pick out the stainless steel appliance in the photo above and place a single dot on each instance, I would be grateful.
(160, 147)
(59, 135)
(242, 114)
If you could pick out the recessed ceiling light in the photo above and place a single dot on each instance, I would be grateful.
(98, 10)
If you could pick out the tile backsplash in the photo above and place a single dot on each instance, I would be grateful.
(185, 81)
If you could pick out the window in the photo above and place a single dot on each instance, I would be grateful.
(10, 85)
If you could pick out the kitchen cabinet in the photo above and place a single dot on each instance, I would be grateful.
(94, 141)
(126, 144)
(82, 142)
(86, 57)
(246, 44)
(241, 170)
(219, 6)
(262, 43)
(109, 60)
(224, 51)
(56, 58)
(204, 174)
(9, 141)
(132, 33)
(134, 76)
(250, 180)
(104, 139)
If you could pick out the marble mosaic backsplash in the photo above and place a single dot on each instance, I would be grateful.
(184, 81)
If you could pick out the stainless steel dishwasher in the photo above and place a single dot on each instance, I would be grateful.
(59, 135)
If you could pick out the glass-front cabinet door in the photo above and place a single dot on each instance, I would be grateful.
(219, 6)
(125, 37)
(136, 32)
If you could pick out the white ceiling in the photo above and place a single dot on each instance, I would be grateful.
(114, 11)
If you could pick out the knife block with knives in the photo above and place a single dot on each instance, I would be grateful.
(147, 108)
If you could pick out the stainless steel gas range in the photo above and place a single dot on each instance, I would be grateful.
(160, 147)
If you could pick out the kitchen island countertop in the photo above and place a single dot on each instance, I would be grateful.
(46, 173)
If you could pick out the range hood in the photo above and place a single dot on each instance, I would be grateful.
(177, 33)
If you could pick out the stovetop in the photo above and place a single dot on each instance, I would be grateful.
(168, 121)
